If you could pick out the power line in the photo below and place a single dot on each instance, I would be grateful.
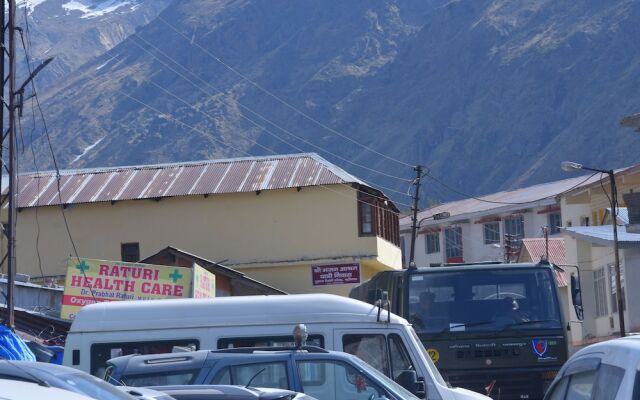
(249, 109)
(468, 196)
(173, 118)
(287, 104)
(53, 155)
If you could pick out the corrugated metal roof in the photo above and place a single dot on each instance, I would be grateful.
(603, 235)
(234, 175)
(536, 195)
(536, 247)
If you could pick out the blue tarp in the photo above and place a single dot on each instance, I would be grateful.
(12, 347)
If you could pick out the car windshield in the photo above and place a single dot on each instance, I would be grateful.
(483, 300)
(92, 386)
(384, 380)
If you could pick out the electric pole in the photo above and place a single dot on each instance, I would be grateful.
(13, 165)
(414, 221)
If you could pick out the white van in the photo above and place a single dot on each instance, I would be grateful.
(384, 340)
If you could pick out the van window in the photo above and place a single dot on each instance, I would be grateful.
(101, 352)
(266, 374)
(370, 348)
(400, 360)
(267, 341)
(636, 387)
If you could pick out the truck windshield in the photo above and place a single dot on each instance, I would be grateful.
(483, 300)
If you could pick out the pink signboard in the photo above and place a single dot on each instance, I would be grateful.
(335, 274)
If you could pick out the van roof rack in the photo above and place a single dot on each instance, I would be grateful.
(250, 350)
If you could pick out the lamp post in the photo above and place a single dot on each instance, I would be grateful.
(414, 230)
(572, 166)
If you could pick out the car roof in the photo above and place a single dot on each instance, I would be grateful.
(20, 390)
(621, 352)
(238, 392)
(188, 359)
(26, 369)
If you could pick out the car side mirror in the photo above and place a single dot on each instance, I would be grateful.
(576, 297)
(408, 379)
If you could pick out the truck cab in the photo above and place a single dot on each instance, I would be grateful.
(494, 328)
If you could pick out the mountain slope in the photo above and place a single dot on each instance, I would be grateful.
(75, 31)
(489, 94)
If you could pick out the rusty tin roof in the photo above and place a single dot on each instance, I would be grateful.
(235, 175)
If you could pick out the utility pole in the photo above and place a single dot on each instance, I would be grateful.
(414, 222)
(13, 166)
(545, 229)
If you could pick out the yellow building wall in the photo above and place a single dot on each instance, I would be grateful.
(298, 279)
(278, 226)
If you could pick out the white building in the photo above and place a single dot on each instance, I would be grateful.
(476, 228)
(588, 234)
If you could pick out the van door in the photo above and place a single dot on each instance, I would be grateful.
(384, 349)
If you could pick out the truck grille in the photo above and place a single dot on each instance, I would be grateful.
(508, 386)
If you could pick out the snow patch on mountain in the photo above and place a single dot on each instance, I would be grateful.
(87, 149)
(93, 9)
(29, 4)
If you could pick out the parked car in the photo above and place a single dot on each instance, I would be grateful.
(603, 371)
(57, 376)
(20, 390)
(224, 392)
(323, 374)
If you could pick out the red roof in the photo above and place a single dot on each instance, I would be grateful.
(536, 247)
(182, 179)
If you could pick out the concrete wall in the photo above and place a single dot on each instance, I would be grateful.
(278, 226)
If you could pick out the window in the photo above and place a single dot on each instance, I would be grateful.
(432, 242)
(559, 389)
(599, 283)
(377, 217)
(370, 348)
(130, 252)
(400, 360)
(453, 242)
(608, 383)
(514, 226)
(101, 352)
(267, 374)
(334, 380)
(581, 385)
(282, 341)
(366, 218)
(554, 222)
(491, 232)
(612, 288)
(175, 377)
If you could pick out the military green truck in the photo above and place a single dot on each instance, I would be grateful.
(494, 328)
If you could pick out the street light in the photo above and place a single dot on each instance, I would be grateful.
(435, 217)
(572, 166)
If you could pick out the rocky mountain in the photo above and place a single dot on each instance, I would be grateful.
(75, 31)
(489, 94)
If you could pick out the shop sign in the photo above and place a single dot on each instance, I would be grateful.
(89, 281)
(335, 274)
